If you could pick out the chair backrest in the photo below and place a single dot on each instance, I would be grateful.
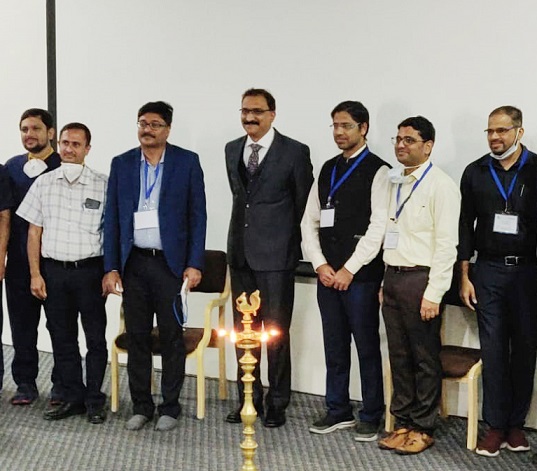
(214, 273)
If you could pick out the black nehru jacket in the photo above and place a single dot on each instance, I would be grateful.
(352, 203)
(481, 201)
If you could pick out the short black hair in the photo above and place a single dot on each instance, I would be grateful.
(420, 124)
(514, 113)
(356, 109)
(44, 115)
(81, 127)
(271, 102)
(163, 109)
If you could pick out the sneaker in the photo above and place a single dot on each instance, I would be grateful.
(516, 440)
(329, 424)
(366, 431)
(416, 442)
(394, 440)
(491, 443)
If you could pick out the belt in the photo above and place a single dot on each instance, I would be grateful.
(148, 252)
(76, 264)
(398, 269)
(509, 260)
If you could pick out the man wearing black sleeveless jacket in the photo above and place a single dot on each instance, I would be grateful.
(342, 230)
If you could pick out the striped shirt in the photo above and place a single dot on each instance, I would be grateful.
(71, 215)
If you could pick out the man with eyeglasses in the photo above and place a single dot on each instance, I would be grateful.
(420, 248)
(270, 176)
(499, 221)
(342, 229)
(154, 239)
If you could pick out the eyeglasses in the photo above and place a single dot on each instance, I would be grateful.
(154, 125)
(406, 140)
(254, 111)
(499, 131)
(345, 126)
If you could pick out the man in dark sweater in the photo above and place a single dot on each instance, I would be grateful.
(342, 229)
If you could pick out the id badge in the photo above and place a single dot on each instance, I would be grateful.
(327, 217)
(146, 219)
(391, 239)
(505, 223)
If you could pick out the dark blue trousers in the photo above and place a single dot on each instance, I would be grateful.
(344, 313)
(507, 318)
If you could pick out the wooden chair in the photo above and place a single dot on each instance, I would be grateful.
(215, 280)
(460, 365)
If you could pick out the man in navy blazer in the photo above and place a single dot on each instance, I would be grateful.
(270, 176)
(154, 238)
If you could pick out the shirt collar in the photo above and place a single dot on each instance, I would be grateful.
(265, 141)
(83, 179)
(161, 161)
(417, 174)
(357, 153)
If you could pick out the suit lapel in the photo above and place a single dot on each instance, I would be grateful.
(235, 160)
(270, 161)
(135, 178)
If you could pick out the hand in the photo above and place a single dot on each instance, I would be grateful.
(429, 310)
(467, 293)
(193, 275)
(326, 275)
(343, 279)
(112, 284)
(381, 296)
(38, 287)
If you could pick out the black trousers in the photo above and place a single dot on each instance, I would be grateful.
(507, 318)
(72, 290)
(414, 350)
(24, 311)
(277, 292)
(151, 288)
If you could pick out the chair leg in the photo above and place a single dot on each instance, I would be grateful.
(389, 421)
(471, 439)
(200, 385)
(443, 400)
(114, 373)
(222, 380)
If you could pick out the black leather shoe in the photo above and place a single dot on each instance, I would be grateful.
(274, 418)
(234, 417)
(96, 415)
(67, 409)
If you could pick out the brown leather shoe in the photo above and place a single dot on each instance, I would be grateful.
(394, 439)
(416, 442)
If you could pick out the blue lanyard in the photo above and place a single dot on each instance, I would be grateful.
(399, 209)
(506, 196)
(345, 176)
(149, 190)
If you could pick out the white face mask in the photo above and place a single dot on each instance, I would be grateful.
(397, 174)
(509, 152)
(34, 167)
(72, 171)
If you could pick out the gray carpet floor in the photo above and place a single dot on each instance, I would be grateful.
(29, 443)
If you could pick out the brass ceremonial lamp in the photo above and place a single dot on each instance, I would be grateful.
(248, 339)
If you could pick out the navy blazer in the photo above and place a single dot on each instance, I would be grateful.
(264, 230)
(181, 212)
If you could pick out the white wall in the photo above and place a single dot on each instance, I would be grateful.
(450, 61)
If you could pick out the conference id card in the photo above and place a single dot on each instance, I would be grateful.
(328, 216)
(505, 223)
(146, 219)
(391, 239)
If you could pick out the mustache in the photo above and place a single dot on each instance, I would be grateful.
(250, 122)
(147, 134)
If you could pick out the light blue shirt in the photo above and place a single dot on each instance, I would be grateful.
(149, 238)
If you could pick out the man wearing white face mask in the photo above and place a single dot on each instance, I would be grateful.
(499, 221)
(65, 212)
(36, 130)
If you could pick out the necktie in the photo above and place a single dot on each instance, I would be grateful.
(253, 160)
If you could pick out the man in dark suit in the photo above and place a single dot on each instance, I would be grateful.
(154, 238)
(270, 176)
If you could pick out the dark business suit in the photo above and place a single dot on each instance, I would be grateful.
(151, 281)
(264, 247)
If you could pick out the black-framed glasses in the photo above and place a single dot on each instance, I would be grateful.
(344, 126)
(154, 125)
(406, 140)
(499, 131)
(254, 111)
